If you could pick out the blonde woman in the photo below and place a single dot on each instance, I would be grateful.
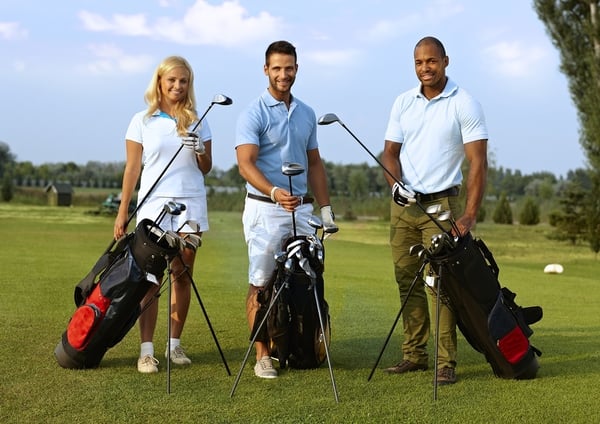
(153, 137)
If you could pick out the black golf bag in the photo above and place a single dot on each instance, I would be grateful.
(293, 329)
(108, 298)
(486, 313)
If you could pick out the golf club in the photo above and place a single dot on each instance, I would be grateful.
(330, 118)
(290, 169)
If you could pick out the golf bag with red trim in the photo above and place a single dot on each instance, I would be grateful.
(486, 313)
(108, 298)
(293, 329)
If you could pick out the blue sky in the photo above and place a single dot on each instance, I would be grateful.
(74, 72)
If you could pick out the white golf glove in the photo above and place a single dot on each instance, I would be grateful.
(191, 141)
(327, 216)
(402, 196)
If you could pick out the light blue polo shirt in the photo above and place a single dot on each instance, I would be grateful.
(432, 133)
(282, 135)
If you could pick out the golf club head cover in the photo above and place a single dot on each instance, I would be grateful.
(327, 216)
(402, 196)
(191, 141)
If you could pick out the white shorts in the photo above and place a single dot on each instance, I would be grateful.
(195, 209)
(266, 227)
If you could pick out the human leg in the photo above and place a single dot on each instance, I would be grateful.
(147, 363)
(182, 269)
(405, 232)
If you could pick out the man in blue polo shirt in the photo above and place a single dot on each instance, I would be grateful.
(275, 129)
(431, 129)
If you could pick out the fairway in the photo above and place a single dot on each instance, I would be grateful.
(46, 251)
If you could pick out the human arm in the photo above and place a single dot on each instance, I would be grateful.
(133, 168)
(204, 160)
(390, 158)
(247, 155)
(317, 180)
(476, 155)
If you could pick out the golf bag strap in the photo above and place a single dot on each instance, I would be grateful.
(488, 255)
(85, 285)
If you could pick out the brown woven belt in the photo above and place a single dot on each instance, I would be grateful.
(305, 199)
(452, 191)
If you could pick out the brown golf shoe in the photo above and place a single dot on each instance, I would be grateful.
(405, 366)
(446, 376)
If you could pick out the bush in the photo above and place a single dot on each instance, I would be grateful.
(503, 213)
(530, 214)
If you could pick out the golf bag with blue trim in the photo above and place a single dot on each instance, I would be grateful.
(108, 298)
(486, 313)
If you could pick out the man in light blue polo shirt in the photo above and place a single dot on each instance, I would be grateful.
(275, 129)
(431, 129)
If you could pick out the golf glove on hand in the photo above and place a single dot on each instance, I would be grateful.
(191, 141)
(327, 216)
(403, 196)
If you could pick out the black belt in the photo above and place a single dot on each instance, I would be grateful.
(305, 199)
(452, 191)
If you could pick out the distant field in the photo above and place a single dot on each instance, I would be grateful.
(46, 251)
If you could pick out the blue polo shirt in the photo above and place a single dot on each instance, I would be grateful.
(432, 134)
(282, 135)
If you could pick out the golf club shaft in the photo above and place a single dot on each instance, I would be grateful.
(392, 175)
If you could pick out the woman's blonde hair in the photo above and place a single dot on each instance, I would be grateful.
(185, 112)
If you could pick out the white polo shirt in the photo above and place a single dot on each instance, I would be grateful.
(432, 134)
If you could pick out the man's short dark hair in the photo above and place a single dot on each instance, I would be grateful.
(435, 41)
(281, 47)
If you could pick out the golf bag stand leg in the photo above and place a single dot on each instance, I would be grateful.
(169, 288)
(418, 276)
(322, 324)
(210, 327)
(262, 323)
(437, 331)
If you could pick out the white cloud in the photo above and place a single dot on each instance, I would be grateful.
(12, 31)
(513, 59)
(110, 60)
(391, 28)
(227, 24)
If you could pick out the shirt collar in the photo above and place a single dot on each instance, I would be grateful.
(448, 91)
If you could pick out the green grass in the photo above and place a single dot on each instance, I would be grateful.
(46, 251)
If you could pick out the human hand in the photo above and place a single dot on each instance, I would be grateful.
(191, 141)
(402, 196)
(327, 217)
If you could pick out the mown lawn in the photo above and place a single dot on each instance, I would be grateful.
(46, 251)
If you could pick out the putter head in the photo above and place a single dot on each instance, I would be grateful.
(292, 168)
(328, 118)
(221, 99)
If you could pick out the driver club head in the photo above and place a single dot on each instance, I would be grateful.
(328, 118)
(434, 209)
(221, 99)
(292, 168)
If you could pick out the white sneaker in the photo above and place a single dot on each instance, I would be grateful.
(178, 356)
(147, 364)
(264, 368)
